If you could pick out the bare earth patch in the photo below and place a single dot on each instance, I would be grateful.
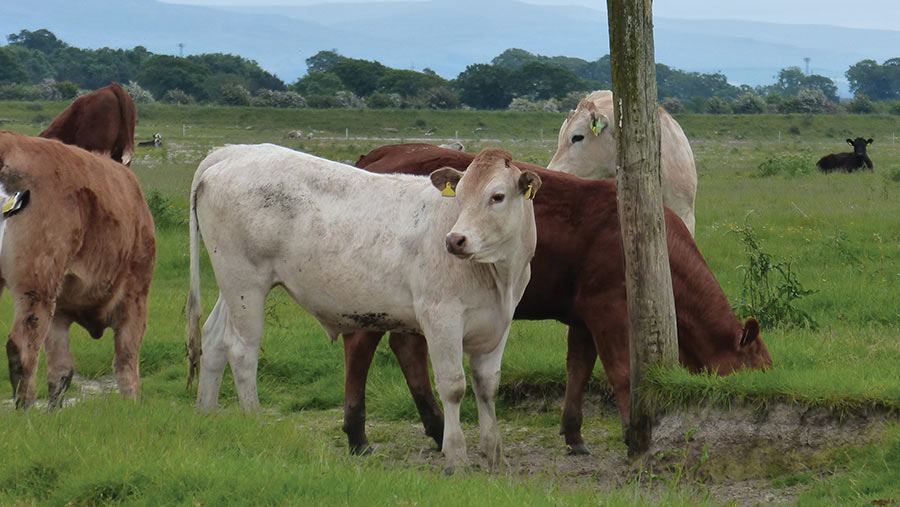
(727, 455)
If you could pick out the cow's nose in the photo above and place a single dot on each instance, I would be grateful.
(455, 243)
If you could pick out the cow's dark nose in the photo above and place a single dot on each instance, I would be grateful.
(455, 243)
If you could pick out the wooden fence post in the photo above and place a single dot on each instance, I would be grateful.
(651, 306)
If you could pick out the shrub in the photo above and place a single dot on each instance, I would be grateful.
(550, 106)
(672, 105)
(19, 92)
(349, 100)
(138, 94)
(522, 104)
(233, 94)
(441, 97)
(382, 100)
(165, 215)
(861, 105)
(67, 90)
(788, 164)
(770, 288)
(322, 101)
(48, 91)
(571, 100)
(270, 98)
(749, 103)
(717, 105)
(176, 96)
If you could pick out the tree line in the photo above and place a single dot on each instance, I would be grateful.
(36, 65)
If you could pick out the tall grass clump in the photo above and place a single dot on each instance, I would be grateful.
(770, 289)
(165, 214)
(786, 164)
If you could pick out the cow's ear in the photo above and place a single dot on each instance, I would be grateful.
(445, 180)
(598, 123)
(869, 141)
(751, 331)
(850, 142)
(529, 183)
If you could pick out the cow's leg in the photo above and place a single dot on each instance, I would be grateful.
(60, 363)
(243, 334)
(411, 351)
(581, 356)
(485, 382)
(359, 349)
(214, 357)
(445, 348)
(33, 314)
(129, 332)
(609, 326)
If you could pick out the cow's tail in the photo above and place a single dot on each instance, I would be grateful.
(128, 114)
(194, 306)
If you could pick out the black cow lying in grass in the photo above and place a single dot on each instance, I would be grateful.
(847, 162)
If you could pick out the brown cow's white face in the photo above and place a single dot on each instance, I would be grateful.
(496, 212)
(587, 146)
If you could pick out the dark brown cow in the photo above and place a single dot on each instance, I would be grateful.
(101, 121)
(578, 278)
(79, 249)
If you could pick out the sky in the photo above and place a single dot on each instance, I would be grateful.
(870, 14)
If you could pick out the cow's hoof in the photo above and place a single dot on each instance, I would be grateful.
(361, 450)
(579, 450)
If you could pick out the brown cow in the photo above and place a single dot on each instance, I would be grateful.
(79, 249)
(101, 121)
(578, 278)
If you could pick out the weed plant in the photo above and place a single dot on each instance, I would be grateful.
(771, 288)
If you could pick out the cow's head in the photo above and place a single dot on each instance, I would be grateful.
(746, 350)
(859, 145)
(587, 145)
(496, 213)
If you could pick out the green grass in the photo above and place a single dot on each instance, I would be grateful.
(841, 231)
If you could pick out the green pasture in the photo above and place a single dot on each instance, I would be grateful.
(841, 234)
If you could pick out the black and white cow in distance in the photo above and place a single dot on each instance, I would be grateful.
(363, 251)
(156, 142)
(848, 162)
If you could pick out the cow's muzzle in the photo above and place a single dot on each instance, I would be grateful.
(457, 244)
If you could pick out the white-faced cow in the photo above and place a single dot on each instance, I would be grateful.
(101, 121)
(848, 162)
(587, 148)
(362, 251)
(78, 245)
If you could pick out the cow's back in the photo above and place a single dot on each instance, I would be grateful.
(372, 240)
(101, 122)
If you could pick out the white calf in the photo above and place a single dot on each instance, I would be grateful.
(362, 251)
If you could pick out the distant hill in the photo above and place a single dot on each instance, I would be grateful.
(444, 35)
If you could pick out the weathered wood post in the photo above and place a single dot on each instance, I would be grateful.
(651, 306)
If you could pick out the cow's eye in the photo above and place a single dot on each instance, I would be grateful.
(577, 138)
(497, 198)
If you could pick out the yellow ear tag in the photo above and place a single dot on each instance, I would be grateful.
(8, 205)
(448, 191)
(594, 128)
(528, 192)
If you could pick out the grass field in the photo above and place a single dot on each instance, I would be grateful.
(840, 232)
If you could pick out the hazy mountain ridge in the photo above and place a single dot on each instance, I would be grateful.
(444, 35)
